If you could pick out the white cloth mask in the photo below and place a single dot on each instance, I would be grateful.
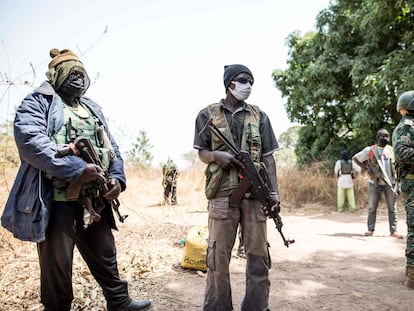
(241, 91)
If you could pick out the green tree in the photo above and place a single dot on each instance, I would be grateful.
(343, 80)
(289, 138)
(140, 154)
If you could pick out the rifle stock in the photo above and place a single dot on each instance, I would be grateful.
(257, 186)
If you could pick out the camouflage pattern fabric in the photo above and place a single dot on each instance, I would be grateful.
(169, 182)
(403, 142)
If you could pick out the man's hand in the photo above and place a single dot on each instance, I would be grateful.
(275, 208)
(92, 173)
(114, 189)
(226, 160)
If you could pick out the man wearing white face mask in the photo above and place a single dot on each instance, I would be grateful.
(248, 128)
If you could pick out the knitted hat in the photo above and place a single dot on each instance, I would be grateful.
(61, 56)
(61, 66)
(231, 71)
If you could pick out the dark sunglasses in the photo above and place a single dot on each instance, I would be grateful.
(244, 80)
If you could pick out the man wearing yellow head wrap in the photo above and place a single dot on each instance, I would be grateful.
(38, 209)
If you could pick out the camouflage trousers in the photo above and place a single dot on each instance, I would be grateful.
(407, 188)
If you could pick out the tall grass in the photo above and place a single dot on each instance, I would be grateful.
(310, 185)
(297, 187)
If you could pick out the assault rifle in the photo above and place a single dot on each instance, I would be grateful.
(253, 180)
(87, 152)
(371, 169)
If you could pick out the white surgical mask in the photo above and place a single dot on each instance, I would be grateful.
(242, 90)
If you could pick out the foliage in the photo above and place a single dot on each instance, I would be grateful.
(285, 157)
(140, 154)
(289, 138)
(343, 80)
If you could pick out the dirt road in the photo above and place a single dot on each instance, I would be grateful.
(332, 266)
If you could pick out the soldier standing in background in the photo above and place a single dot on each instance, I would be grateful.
(169, 182)
(403, 142)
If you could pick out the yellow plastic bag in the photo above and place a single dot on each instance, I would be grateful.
(195, 250)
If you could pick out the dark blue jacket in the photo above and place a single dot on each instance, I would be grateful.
(40, 116)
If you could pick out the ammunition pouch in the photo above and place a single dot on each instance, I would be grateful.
(214, 180)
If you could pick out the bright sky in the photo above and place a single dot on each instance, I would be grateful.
(154, 63)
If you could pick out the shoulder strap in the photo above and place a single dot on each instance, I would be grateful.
(371, 152)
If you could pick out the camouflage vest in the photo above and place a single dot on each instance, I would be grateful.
(79, 121)
(170, 174)
(219, 182)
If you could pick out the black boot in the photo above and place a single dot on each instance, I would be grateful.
(138, 305)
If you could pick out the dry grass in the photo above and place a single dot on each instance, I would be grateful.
(147, 243)
(309, 185)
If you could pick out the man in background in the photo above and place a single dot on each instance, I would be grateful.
(169, 182)
(378, 161)
(346, 171)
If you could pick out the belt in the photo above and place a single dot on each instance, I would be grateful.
(409, 176)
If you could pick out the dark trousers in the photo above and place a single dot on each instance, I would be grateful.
(173, 190)
(97, 247)
(374, 195)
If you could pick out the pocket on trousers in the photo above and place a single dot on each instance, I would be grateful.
(211, 254)
(219, 208)
(260, 215)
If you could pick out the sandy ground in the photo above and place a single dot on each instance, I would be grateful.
(332, 266)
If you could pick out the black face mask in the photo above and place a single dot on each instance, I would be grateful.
(382, 142)
(73, 86)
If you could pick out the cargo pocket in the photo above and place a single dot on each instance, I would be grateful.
(219, 208)
(211, 254)
(214, 178)
(260, 215)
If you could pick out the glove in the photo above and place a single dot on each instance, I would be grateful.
(114, 189)
(226, 160)
(92, 173)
